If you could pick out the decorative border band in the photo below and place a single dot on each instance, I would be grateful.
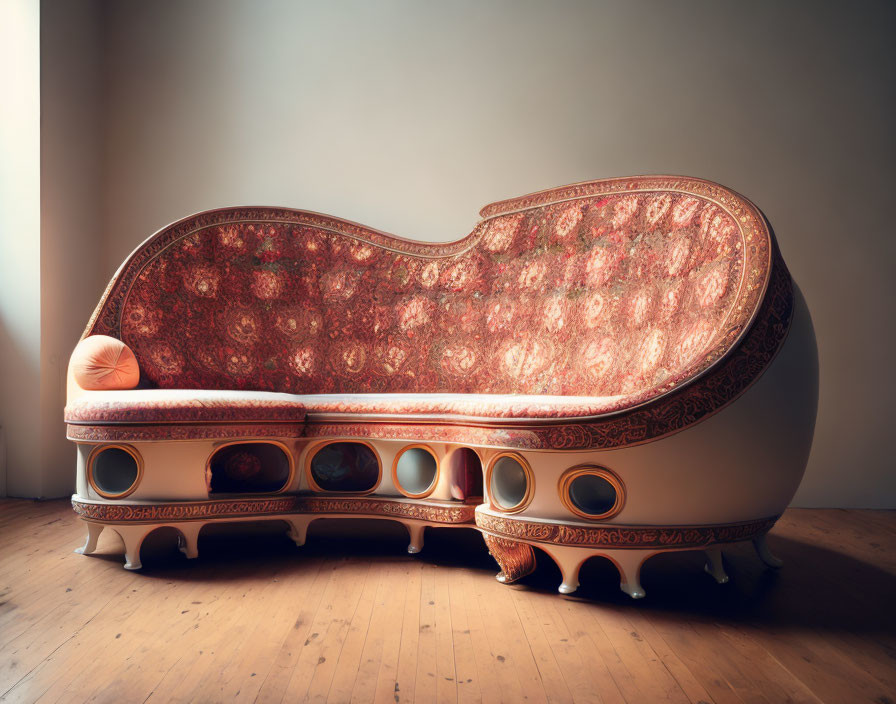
(614, 186)
(621, 537)
(182, 431)
(436, 513)
(247, 508)
(608, 536)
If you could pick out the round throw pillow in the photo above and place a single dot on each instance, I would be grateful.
(101, 362)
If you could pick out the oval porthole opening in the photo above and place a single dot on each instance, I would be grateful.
(249, 468)
(114, 471)
(415, 471)
(344, 467)
(510, 483)
(592, 492)
(465, 474)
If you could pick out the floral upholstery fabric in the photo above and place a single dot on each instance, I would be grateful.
(621, 290)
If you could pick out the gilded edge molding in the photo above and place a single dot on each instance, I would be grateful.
(181, 431)
(247, 508)
(621, 537)
(615, 186)
(494, 527)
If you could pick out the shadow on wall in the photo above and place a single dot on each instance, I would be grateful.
(19, 405)
(818, 588)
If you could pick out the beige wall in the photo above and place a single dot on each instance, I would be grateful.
(20, 249)
(72, 274)
(50, 268)
(409, 116)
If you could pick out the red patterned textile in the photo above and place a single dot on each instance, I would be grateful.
(619, 290)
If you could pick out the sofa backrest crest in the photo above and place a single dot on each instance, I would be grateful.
(624, 287)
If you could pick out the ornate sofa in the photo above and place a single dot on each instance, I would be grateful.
(615, 368)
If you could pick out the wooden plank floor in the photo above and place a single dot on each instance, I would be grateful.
(350, 617)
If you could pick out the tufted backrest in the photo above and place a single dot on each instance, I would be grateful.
(622, 287)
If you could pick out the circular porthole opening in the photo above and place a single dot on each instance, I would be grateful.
(510, 483)
(415, 471)
(115, 471)
(249, 468)
(592, 492)
(345, 467)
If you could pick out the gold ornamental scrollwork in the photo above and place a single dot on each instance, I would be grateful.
(621, 537)
(208, 510)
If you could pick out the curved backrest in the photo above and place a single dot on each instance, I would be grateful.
(626, 288)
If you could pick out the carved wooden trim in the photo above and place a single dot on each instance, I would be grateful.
(621, 185)
(435, 513)
(179, 431)
(621, 537)
(447, 513)
(515, 559)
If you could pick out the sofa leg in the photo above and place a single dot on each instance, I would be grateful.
(132, 536)
(759, 542)
(570, 572)
(188, 539)
(298, 529)
(714, 567)
(416, 532)
(629, 562)
(93, 535)
(515, 559)
(569, 560)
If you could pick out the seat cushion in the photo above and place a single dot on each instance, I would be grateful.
(183, 406)
(485, 406)
(189, 406)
